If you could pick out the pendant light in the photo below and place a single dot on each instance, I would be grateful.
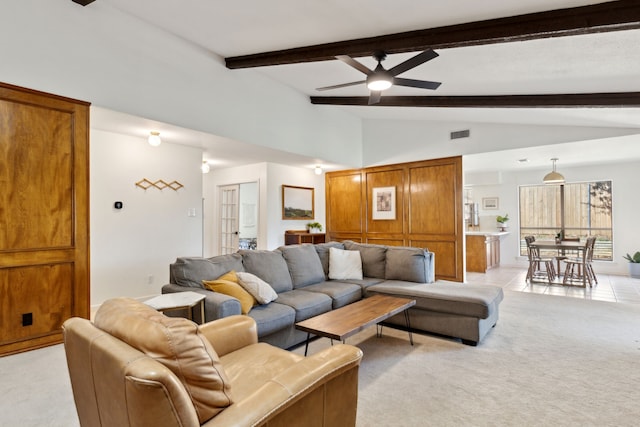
(553, 177)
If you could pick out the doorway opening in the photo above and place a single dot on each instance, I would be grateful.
(238, 217)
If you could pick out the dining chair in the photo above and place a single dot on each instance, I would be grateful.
(562, 254)
(536, 272)
(580, 269)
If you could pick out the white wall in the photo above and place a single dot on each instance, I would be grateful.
(280, 175)
(270, 178)
(131, 248)
(100, 55)
(221, 177)
(399, 141)
(626, 205)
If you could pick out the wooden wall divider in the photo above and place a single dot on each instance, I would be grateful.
(428, 209)
(44, 216)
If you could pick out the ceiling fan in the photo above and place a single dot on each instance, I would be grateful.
(380, 79)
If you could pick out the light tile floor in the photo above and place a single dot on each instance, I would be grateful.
(609, 288)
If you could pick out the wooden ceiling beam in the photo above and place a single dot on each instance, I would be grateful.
(603, 17)
(581, 100)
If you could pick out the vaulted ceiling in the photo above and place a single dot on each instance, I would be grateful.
(537, 62)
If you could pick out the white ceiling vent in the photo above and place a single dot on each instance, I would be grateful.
(460, 134)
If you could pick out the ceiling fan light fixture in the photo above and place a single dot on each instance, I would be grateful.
(378, 82)
(553, 177)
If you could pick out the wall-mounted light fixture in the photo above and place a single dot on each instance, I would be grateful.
(205, 167)
(553, 177)
(318, 170)
(154, 139)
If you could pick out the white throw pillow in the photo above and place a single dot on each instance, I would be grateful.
(344, 265)
(258, 288)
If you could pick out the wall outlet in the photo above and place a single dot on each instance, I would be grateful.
(150, 279)
(191, 212)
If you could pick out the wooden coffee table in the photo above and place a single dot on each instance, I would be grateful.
(345, 321)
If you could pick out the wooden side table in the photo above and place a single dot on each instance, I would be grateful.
(178, 301)
(297, 237)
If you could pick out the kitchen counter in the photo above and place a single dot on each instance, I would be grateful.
(483, 250)
(487, 233)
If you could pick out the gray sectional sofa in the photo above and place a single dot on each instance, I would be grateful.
(300, 276)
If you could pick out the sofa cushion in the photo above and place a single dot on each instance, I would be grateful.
(323, 253)
(191, 271)
(341, 293)
(373, 258)
(232, 289)
(272, 317)
(176, 343)
(258, 288)
(408, 264)
(306, 304)
(344, 264)
(462, 299)
(304, 264)
(270, 266)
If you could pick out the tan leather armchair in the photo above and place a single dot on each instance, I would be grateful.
(116, 384)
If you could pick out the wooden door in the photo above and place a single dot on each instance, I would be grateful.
(44, 216)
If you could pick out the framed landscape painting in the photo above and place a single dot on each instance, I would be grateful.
(297, 202)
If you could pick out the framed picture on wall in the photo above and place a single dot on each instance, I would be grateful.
(297, 202)
(490, 203)
(384, 203)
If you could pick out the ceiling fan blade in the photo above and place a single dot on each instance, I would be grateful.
(374, 97)
(355, 64)
(422, 84)
(341, 85)
(410, 63)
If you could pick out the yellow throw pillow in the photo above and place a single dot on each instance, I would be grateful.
(232, 289)
(230, 276)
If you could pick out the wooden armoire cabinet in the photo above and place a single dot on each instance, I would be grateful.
(44, 216)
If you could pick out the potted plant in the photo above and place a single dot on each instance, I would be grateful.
(314, 227)
(502, 222)
(634, 265)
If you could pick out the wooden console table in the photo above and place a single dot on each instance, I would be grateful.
(296, 237)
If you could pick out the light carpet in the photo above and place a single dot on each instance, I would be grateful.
(550, 361)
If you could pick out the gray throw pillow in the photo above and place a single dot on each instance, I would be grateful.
(323, 253)
(373, 258)
(408, 264)
(270, 266)
(304, 265)
(191, 271)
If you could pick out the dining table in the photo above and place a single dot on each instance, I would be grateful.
(562, 246)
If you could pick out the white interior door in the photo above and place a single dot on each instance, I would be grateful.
(229, 213)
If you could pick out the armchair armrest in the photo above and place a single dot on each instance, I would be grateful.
(331, 376)
(230, 333)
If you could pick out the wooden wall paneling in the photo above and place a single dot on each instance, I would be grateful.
(447, 260)
(44, 216)
(386, 241)
(344, 204)
(428, 204)
(435, 212)
(385, 178)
